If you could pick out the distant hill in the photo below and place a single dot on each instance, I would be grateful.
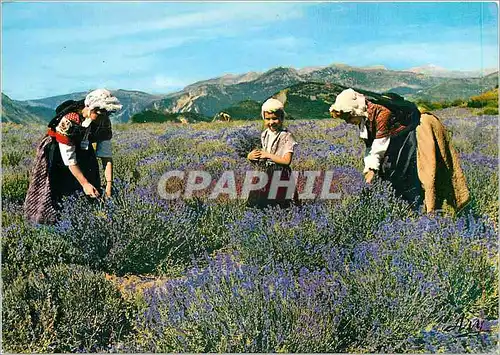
(14, 112)
(132, 101)
(373, 79)
(434, 70)
(452, 89)
(41, 111)
(309, 100)
(53, 101)
(149, 116)
(244, 110)
(228, 79)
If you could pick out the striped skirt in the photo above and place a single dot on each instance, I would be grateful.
(51, 180)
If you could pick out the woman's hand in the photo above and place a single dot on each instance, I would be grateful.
(255, 154)
(369, 176)
(90, 190)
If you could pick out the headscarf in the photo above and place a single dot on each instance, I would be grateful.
(350, 101)
(102, 98)
(272, 105)
(354, 103)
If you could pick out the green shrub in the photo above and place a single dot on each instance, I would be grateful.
(26, 249)
(15, 185)
(246, 109)
(12, 213)
(124, 234)
(483, 187)
(130, 233)
(477, 103)
(489, 111)
(13, 158)
(486, 99)
(66, 309)
(151, 116)
(416, 274)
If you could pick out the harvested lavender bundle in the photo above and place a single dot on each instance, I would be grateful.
(243, 141)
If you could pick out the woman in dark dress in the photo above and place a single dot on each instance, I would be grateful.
(66, 160)
(407, 148)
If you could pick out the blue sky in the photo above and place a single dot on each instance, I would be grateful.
(52, 48)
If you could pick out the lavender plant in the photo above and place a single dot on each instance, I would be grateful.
(298, 237)
(377, 296)
(233, 307)
(65, 309)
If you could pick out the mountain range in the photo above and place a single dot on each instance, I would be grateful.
(435, 70)
(13, 111)
(208, 97)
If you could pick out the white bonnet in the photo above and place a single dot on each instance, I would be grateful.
(102, 98)
(350, 101)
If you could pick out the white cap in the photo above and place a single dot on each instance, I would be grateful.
(271, 105)
(349, 101)
(102, 98)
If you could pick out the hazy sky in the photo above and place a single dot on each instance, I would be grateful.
(53, 48)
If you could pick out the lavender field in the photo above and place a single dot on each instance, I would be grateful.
(137, 273)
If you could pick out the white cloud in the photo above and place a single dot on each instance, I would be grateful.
(141, 47)
(229, 15)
